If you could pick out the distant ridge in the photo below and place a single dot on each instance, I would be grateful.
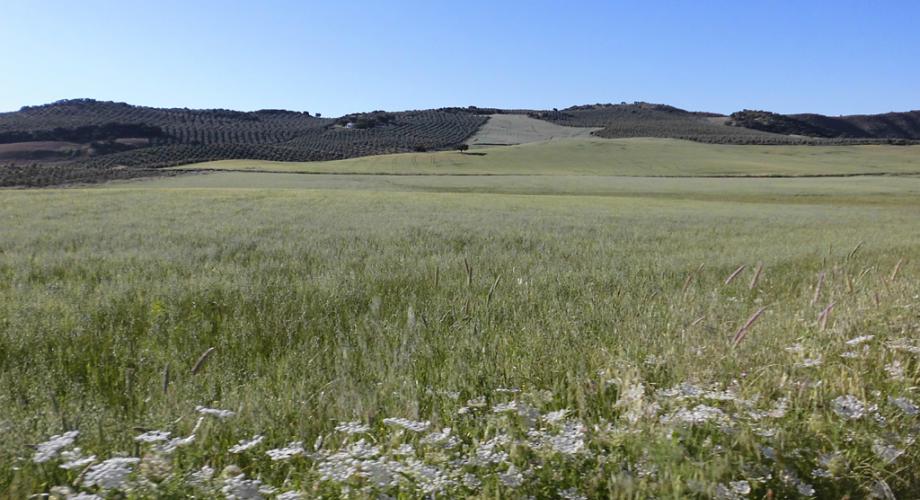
(904, 125)
(85, 140)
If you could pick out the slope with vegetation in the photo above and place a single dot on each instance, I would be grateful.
(101, 138)
(892, 126)
(83, 140)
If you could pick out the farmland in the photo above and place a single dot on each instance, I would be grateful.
(84, 140)
(580, 317)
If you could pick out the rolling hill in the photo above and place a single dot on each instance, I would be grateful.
(894, 126)
(84, 140)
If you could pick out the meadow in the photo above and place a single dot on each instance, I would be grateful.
(569, 328)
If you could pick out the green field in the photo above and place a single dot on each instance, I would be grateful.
(509, 129)
(485, 304)
(621, 157)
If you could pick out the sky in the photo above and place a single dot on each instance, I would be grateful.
(341, 56)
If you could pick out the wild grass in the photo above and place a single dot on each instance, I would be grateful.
(621, 157)
(305, 337)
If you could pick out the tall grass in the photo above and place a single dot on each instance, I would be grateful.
(558, 338)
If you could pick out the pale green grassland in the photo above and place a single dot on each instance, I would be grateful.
(521, 129)
(632, 157)
(337, 298)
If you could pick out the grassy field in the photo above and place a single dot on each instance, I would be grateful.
(507, 129)
(622, 157)
(555, 336)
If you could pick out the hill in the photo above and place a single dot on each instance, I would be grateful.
(84, 140)
(66, 140)
(641, 119)
(894, 126)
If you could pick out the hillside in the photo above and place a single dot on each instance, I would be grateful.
(510, 129)
(83, 140)
(642, 119)
(78, 140)
(905, 126)
(657, 120)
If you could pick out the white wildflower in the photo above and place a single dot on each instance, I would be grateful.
(805, 489)
(244, 444)
(471, 482)
(767, 432)
(570, 440)
(221, 414)
(290, 451)
(503, 390)
(821, 474)
(850, 355)
(174, 443)
(338, 467)
(810, 362)
(477, 402)
(84, 496)
(463, 410)
(683, 391)
(849, 407)
(903, 345)
(201, 476)
(487, 452)
(895, 370)
(571, 494)
(905, 405)
(74, 459)
(859, 340)
(443, 439)
(555, 416)
(290, 495)
(698, 415)
(886, 452)
(352, 428)
(779, 408)
(511, 407)
(511, 478)
(153, 437)
(429, 480)
(362, 449)
(407, 424)
(741, 487)
(404, 450)
(240, 488)
(111, 474)
(382, 472)
(50, 448)
(735, 490)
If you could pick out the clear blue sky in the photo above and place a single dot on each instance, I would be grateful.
(339, 56)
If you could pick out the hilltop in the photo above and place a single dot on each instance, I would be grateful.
(84, 140)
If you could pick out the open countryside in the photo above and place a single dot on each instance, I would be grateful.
(624, 300)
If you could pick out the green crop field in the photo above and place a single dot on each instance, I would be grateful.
(621, 157)
(580, 325)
